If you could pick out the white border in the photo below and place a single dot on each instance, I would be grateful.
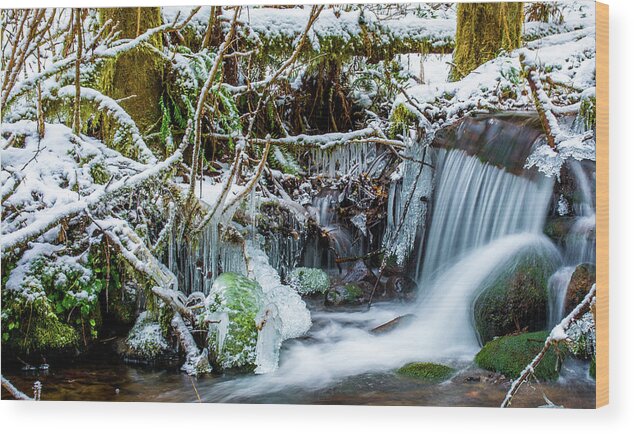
(95, 418)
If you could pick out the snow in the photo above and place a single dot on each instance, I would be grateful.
(293, 313)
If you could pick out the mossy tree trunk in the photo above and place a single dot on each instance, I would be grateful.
(483, 29)
(136, 75)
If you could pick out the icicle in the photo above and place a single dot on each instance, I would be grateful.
(407, 204)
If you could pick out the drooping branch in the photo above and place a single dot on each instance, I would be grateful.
(113, 109)
(196, 361)
(11, 92)
(558, 334)
(200, 106)
(19, 239)
(542, 103)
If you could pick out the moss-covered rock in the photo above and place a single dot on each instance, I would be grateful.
(592, 371)
(515, 301)
(509, 355)
(430, 372)
(146, 342)
(231, 310)
(581, 281)
(50, 305)
(309, 280)
(31, 327)
(348, 294)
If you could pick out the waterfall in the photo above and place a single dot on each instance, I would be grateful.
(579, 244)
(335, 240)
(483, 218)
(476, 203)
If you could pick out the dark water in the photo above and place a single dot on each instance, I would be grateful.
(112, 380)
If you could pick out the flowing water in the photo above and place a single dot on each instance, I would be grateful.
(483, 218)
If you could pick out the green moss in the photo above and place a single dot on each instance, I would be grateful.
(509, 355)
(233, 304)
(137, 73)
(430, 372)
(515, 301)
(353, 292)
(32, 327)
(593, 369)
(309, 280)
(588, 112)
(401, 120)
(483, 30)
(99, 173)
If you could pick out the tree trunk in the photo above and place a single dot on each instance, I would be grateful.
(138, 74)
(483, 29)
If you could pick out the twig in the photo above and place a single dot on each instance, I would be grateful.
(557, 334)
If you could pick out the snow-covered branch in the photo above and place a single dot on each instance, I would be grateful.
(100, 52)
(114, 110)
(557, 334)
(53, 216)
(14, 391)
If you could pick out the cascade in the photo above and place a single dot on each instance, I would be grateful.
(579, 244)
(476, 203)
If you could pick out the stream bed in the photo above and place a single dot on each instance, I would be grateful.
(103, 376)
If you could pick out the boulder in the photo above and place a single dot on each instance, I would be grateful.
(231, 309)
(348, 294)
(581, 281)
(509, 355)
(360, 272)
(307, 281)
(145, 342)
(515, 301)
(402, 287)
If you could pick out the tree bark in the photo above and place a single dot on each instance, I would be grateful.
(137, 74)
(483, 29)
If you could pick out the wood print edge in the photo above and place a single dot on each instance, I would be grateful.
(602, 198)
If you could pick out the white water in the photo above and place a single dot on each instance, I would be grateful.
(483, 219)
(580, 246)
(474, 204)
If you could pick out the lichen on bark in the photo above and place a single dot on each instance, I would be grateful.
(136, 77)
(483, 30)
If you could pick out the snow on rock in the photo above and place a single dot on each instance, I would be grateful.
(294, 314)
(145, 340)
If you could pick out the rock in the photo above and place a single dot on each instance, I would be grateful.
(402, 287)
(306, 280)
(515, 301)
(145, 342)
(360, 273)
(557, 228)
(393, 324)
(581, 281)
(231, 307)
(509, 355)
(348, 294)
(430, 372)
